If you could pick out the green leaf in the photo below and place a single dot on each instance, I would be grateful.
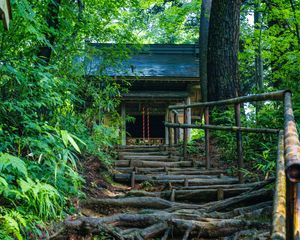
(64, 135)
(74, 144)
(11, 163)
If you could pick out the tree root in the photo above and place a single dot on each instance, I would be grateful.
(161, 218)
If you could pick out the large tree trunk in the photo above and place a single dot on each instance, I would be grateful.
(259, 70)
(52, 21)
(203, 42)
(223, 45)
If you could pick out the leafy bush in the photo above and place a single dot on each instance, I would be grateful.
(259, 149)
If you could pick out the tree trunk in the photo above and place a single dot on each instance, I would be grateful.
(52, 21)
(223, 46)
(203, 42)
(258, 58)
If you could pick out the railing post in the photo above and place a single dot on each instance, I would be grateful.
(123, 126)
(207, 138)
(175, 129)
(292, 157)
(185, 137)
(169, 130)
(239, 142)
(279, 203)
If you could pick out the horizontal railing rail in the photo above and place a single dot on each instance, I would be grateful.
(286, 214)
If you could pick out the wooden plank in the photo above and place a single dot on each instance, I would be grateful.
(125, 163)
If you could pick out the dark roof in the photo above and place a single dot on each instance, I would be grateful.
(155, 95)
(157, 60)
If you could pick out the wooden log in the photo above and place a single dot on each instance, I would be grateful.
(133, 179)
(194, 196)
(154, 230)
(279, 212)
(203, 195)
(125, 177)
(126, 163)
(131, 153)
(256, 185)
(152, 158)
(186, 182)
(166, 234)
(212, 228)
(223, 128)
(220, 194)
(239, 212)
(173, 171)
(134, 202)
(278, 95)
(197, 182)
(247, 198)
(198, 227)
(172, 198)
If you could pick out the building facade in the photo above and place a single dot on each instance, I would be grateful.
(159, 75)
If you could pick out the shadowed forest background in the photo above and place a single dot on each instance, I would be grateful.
(52, 111)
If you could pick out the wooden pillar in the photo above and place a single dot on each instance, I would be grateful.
(239, 143)
(188, 118)
(169, 129)
(123, 127)
(185, 137)
(166, 129)
(207, 138)
(176, 130)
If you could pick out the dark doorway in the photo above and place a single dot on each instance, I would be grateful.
(156, 127)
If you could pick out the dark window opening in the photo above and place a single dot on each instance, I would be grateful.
(156, 127)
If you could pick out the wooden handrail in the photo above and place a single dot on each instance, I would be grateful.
(291, 141)
(224, 128)
(279, 205)
(286, 214)
(278, 95)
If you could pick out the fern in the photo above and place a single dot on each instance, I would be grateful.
(10, 224)
(13, 165)
(41, 198)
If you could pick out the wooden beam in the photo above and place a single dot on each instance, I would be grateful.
(5, 13)
(223, 128)
(278, 95)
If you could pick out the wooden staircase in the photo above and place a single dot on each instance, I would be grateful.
(181, 180)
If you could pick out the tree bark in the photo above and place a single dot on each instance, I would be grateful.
(223, 46)
(203, 42)
(53, 23)
(259, 69)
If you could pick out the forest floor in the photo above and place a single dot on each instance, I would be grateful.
(160, 205)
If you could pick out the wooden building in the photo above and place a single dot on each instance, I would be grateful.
(160, 75)
(5, 13)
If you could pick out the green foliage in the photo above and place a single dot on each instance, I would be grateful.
(52, 114)
(10, 222)
(159, 21)
(259, 149)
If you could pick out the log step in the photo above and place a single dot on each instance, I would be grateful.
(229, 186)
(155, 153)
(155, 164)
(171, 171)
(126, 177)
(185, 179)
(194, 196)
(151, 158)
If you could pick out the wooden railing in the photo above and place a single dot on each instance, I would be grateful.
(286, 216)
